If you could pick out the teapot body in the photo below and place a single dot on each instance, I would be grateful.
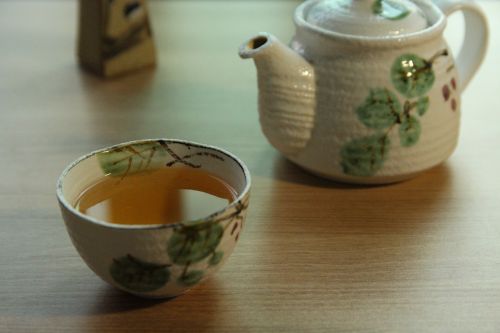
(364, 106)
(371, 125)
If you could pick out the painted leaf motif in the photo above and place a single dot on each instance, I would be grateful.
(191, 244)
(129, 159)
(364, 156)
(190, 278)
(137, 275)
(409, 131)
(412, 75)
(380, 109)
(422, 105)
(389, 9)
(377, 7)
(216, 258)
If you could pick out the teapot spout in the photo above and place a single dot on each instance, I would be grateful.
(286, 92)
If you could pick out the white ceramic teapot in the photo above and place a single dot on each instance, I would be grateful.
(368, 91)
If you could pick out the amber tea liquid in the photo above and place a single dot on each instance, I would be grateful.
(162, 196)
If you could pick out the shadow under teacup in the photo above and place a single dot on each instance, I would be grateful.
(160, 260)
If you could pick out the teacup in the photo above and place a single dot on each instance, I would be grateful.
(154, 260)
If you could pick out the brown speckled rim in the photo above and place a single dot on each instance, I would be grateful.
(234, 204)
(434, 29)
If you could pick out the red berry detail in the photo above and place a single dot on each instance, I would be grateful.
(453, 83)
(453, 104)
(446, 92)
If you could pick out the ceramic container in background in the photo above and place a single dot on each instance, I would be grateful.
(154, 260)
(368, 90)
(114, 37)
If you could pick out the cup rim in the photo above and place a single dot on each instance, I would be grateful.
(236, 202)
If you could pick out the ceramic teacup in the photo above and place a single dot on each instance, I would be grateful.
(154, 260)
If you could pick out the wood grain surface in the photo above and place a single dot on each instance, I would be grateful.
(316, 256)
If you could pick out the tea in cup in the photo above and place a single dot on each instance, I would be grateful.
(155, 217)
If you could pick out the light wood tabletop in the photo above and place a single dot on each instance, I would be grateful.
(315, 256)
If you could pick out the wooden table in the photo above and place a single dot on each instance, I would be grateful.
(419, 256)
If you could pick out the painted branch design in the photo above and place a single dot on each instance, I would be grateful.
(194, 242)
(124, 160)
(191, 243)
(413, 77)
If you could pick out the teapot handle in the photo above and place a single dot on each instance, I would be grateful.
(475, 41)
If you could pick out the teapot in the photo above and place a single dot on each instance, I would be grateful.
(367, 90)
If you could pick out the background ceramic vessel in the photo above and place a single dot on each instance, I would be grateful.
(154, 260)
(114, 37)
(361, 107)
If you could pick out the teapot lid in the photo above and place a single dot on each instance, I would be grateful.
(371, 18)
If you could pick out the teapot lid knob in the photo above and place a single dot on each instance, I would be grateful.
(370, 18)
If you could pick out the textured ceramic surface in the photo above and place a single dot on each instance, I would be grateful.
(364, 109)
(367, 17)
(154, 260)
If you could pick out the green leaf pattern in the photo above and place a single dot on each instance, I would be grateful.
(422, 105)
(409, 131)
(380, 109)
(216, 258)
(137, 275)
(413, 77)
(193, 242)
(130, 159)
(119, 161)
(364, 156)
(190, 244)
(190, 278)
(377, 7)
